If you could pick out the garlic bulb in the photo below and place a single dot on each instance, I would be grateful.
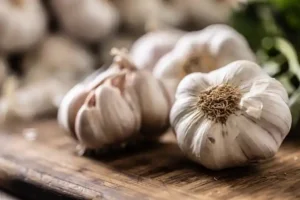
(58, 56)
(50, 72)
(115, 106)
(138, 15)
(89, 20)
(201, 51)
(204, 13)
(149, 48)
(230, 116)
(23, 24)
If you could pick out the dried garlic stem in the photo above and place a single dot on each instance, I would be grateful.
(219, 102)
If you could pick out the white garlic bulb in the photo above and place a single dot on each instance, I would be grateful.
(139, 15)
(201, 51)
(115, 106)
(204, 13)
(50, 72)
(89, 20)
(23, 24)
(58, 56)
(230, 116)
(149, 48)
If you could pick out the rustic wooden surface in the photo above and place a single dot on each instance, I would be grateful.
(48, 168)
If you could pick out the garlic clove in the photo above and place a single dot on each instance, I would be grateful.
(153, 101)
(106, 116)
(70, 106)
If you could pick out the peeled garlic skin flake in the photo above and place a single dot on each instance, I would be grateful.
(231, 116)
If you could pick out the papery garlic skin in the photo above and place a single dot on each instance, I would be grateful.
(88, 20)
(116, 106)
(23, 24)
(201, 51)
(254, 131)
(149, 48)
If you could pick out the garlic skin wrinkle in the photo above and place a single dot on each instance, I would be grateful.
(149, 48)
(115, 106)
(201, 51)
(231, 116)
(88, 20)
(23, 24)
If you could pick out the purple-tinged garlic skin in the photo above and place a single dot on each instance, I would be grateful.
(88, 20)
(23, 24)
(149, 48)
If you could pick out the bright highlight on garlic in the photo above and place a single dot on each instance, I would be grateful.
(201, 51)
(23, 24)
(231, 116)
(116, 106)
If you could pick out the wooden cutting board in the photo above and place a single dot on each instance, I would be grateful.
(47, 167)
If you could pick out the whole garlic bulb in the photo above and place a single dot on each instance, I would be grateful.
(149, 48)
(115, 106)
(89, 20)
(23, 24)
(230, 116)
(201, 51)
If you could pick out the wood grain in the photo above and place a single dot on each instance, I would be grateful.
(48, 168)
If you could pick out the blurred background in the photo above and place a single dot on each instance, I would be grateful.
(46, 47)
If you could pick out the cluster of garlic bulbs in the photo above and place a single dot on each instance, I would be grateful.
(201, 51)
(51, 71)
(231, 116)
(115, 106)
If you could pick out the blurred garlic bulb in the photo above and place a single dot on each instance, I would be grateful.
(139, 15)
(50, 72)
(231, 116)
(88, 20)
(59, 57)
(23, 24)
(201, 51)
(115, 106)
(207, 12)
(3, 70)
(149, 48)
